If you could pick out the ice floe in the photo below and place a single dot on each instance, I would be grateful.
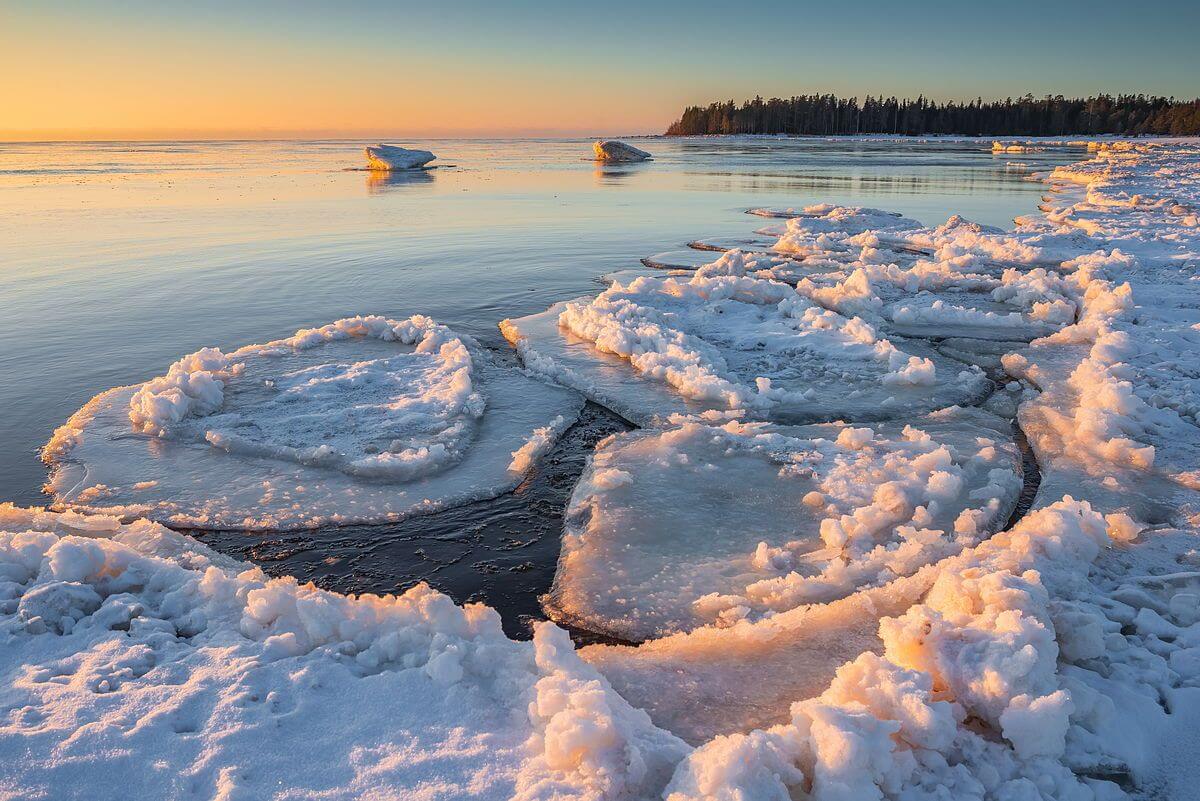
(707, 523)
(392, 157)
(724, 340)
(362, 420)
(612, 150)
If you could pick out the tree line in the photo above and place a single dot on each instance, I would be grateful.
(825, 115)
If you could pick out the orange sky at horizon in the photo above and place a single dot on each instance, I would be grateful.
(129, 69)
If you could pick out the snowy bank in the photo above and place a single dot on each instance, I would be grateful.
(137, 663)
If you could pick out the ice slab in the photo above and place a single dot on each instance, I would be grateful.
(611, 150)
(710, 524)
(684, 345)
(350, 423)
(392, 157)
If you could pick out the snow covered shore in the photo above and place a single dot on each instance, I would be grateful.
(871, 636)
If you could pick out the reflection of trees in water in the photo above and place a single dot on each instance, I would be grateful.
(379, 181)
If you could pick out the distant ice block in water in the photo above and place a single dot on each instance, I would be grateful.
(363, 420)
(392, 157)
(708, 523)
(615, 151)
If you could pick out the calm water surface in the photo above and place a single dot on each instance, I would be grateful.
(117, 258)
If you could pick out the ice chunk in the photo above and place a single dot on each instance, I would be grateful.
(704, 523)
(393, 157)
(722, 339)
(362, 420)
(613, 150)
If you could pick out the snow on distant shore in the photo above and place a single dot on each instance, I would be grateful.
(1058, 659)
(362, 420)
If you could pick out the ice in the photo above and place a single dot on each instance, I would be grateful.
(363, 420)
(393, 157)
(1057, 659)
(137, 663)
(724, 340)
(705, 523)
(611, 150)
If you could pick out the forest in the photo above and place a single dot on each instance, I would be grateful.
(829, 115)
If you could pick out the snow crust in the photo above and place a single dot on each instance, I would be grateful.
(393, 157)
(362, 420)
(612, 150)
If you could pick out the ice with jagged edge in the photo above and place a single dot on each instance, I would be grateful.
(386, 158)
(362, 420)
(722, 339)
(708, 523)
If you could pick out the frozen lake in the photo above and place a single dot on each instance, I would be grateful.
(120, 257)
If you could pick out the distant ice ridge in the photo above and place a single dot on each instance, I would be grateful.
(365, 419)
(392, 157)
(711, 523)
(613, 150)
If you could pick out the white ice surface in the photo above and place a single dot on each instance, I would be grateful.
(707, 523)
(722, 339)
(393, 157)
(137, 663)
(334, 425)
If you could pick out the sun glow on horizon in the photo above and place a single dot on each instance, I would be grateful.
(76, 69)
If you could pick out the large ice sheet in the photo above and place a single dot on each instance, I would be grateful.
(364, 420)
(724, 339)
(709, 524)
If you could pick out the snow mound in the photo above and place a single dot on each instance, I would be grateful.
(392, 157)
(142, 664)
(710, 524)
(722, 339)
(613, 150)
(362, 420)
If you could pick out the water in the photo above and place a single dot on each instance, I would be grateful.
(116, 258)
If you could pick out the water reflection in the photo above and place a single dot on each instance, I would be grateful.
(607, 174)
(379, 182)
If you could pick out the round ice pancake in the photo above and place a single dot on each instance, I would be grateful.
(364, 420)
(722, 339)
(704, 523)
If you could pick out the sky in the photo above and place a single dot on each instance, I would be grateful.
(78, 69)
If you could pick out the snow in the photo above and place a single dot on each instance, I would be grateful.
(362, 420)
(393, 157)
(835, 610)
(611, 150)
(138, 663)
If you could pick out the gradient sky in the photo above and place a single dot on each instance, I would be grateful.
(215, 68)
